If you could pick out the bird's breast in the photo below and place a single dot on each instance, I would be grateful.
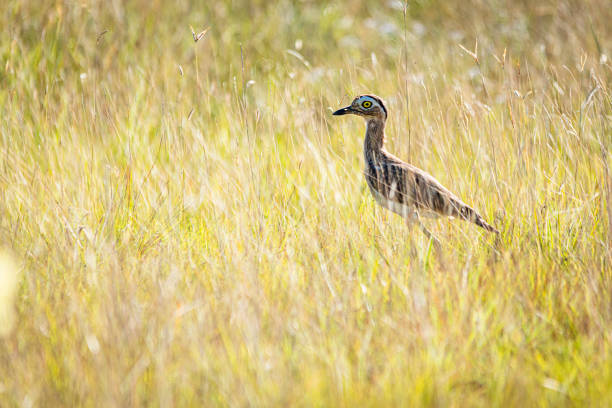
(387, 193)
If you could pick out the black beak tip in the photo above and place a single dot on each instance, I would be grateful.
(342, 111)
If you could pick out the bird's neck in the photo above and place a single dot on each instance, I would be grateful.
(375, 135)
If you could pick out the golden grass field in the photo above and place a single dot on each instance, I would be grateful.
(185, 224)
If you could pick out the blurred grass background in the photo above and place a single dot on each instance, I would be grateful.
(191, 227)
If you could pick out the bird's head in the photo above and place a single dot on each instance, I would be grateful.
(368, 106)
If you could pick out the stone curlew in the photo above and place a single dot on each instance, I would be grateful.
(398, 186)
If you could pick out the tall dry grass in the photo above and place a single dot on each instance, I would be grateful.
(191, 226)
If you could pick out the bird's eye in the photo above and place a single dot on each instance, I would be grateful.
(366, 104)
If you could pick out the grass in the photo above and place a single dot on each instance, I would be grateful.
(191, 225)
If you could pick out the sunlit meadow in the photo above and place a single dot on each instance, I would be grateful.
(183, 223)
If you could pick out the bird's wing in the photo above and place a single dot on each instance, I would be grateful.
(422, 189)
(427, 194)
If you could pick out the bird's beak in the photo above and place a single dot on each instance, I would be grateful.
(344, 111)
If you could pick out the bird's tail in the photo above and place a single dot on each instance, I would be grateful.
(469, 214)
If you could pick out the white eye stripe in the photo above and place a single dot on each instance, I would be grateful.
(367, 102)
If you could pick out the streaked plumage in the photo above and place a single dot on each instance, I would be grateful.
(398, 186)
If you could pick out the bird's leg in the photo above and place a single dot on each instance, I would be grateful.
(428, 234)
(409, 223)
(436, 242)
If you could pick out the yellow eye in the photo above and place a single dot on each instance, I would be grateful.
(366, 104)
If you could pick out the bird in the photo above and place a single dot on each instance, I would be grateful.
(399, 186)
